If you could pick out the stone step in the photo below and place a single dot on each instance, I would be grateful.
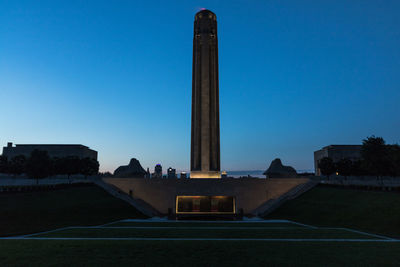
(139, 204)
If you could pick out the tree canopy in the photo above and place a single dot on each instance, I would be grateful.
(377, 159)
(327, 166)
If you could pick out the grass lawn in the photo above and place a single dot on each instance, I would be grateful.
(206, 233)
(196, 224)
(36, 252)
(374, 212)
(23, 213)
(195, 253)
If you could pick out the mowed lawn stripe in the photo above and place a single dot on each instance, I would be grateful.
(195, 253)
(197, 227)
(205, 233)
(202, 224)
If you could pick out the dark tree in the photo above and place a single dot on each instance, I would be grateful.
(38, 165)
(3, 164)
(358, 168)
(326, 166)
(72, 165)
(89, 167)
(344, 167)
(375, 156)
(59, 166)
(394, 158)
(105, 174)
(17, 165)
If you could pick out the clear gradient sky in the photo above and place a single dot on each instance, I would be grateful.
(116, 76)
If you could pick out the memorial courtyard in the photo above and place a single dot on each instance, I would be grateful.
(79, 234)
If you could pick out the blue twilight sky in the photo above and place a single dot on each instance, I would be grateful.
(116, 76)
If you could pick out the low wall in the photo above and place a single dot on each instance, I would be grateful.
(384, 181)
(45, 181)
(15, 189)
(161, 194)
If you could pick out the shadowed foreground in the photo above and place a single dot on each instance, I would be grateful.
(374, 212)
(195, 253)
(30, 212)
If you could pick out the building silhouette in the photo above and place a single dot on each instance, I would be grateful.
(53, 150)
(157, 171)
(171, 173)
(336, 153)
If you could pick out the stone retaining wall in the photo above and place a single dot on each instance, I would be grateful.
(161, 194)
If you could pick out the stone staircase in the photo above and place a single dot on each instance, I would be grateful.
(139, 204)
(273, 204)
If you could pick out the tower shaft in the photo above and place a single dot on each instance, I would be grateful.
(205, 140)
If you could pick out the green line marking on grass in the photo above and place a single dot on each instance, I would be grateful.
(205, 239)
(152, 230)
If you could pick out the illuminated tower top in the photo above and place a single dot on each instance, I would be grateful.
(205, 22)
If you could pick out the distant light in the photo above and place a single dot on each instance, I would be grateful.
(202, 8)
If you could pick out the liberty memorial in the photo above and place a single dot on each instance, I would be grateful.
(205, 143)
(228, 197)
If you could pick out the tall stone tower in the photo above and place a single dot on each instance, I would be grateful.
(205, 145)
